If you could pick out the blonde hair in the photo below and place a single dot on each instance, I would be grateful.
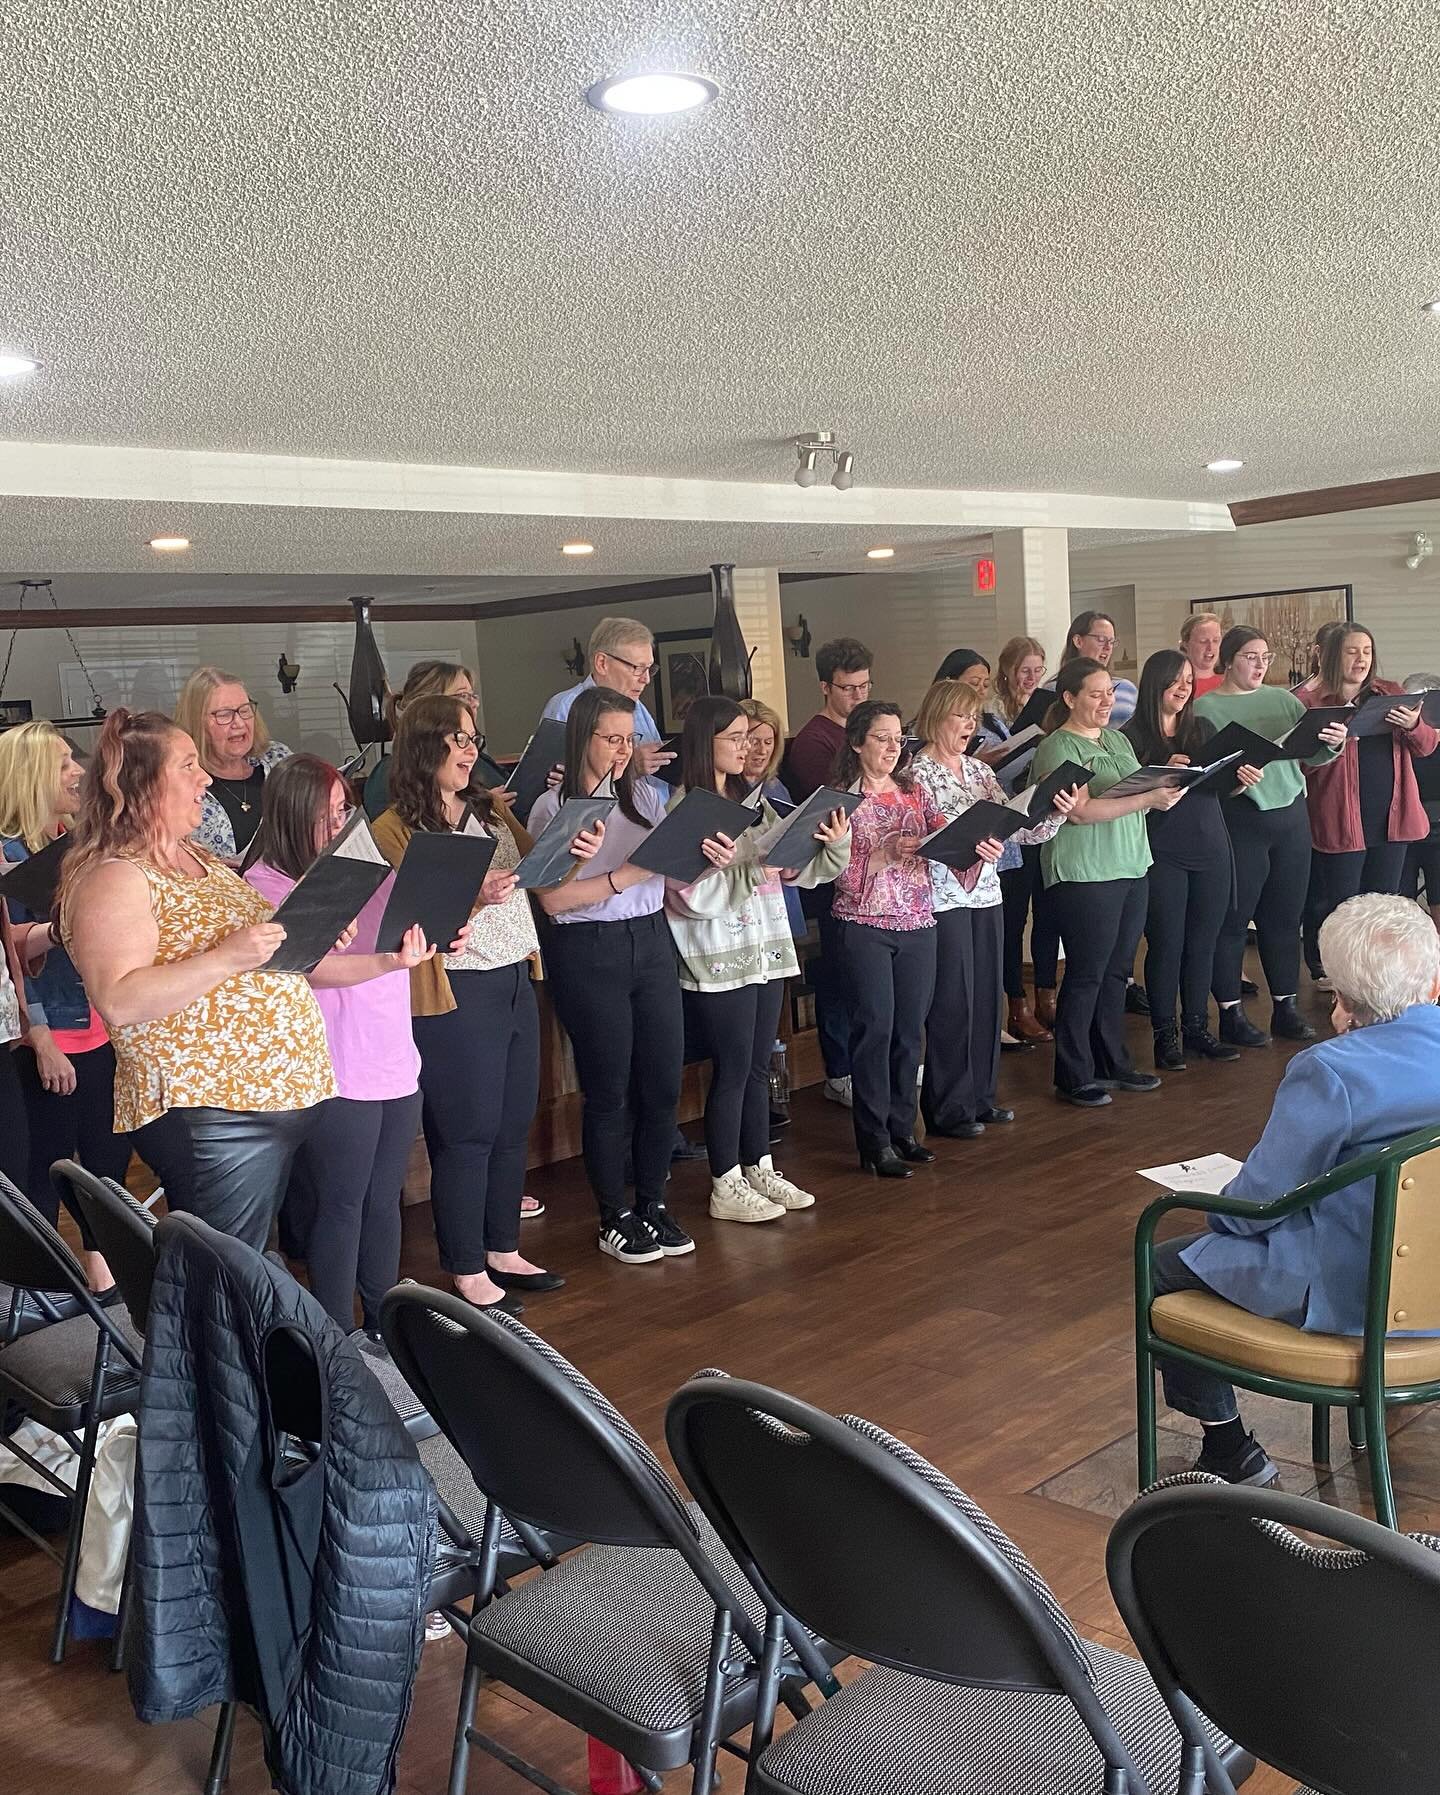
(29, 769)
(1017, 649)
(194, 701)
(426, 679)
(762, 713)
(1193, 622)
(946, 698)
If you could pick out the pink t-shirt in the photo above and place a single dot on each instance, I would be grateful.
(367, 1027)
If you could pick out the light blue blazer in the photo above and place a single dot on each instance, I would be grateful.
(1337, 1100)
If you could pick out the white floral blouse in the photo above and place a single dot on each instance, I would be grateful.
(954, 793)
(216, 831)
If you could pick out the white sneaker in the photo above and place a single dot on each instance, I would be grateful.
(732, 1199)
(838, 1090)
(769, 1183)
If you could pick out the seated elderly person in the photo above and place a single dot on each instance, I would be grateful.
(1378, 1079)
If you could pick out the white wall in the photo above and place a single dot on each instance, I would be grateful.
(1365, 549)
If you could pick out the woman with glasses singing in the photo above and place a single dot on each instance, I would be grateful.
(225, 724)
(1270, 835)
(349, 1172)
(474, 1014)
(614, 982)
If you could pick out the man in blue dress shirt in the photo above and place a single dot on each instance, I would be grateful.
(621, 656)
(1378, 1079)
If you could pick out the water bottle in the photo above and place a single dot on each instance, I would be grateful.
(610, 1774)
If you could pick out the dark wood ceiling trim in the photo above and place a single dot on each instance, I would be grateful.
(1323, 500)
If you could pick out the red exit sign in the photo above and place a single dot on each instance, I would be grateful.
(984, 576)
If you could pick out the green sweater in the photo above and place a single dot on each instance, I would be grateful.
(1269, 711)
(1086, 853)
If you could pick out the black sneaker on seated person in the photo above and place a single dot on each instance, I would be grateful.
(625, 1237)
(1251, 1464)
(674, 1241)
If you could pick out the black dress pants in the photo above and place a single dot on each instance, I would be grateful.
(616, 988)
(1100, 925)
(891, 974)
(1023, 891)
(78, 1126)
(737, 1029)
(825, 971)
(480, 1076)
(962, 1034)
(1272, 872)
(349, 1175)
(1185, 911)
(1338, 877)
(230, 1167)
(14, 1121)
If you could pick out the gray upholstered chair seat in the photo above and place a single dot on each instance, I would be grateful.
(889, 1733)
(50, 1370)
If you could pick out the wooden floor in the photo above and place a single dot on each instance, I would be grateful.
(980, 1311)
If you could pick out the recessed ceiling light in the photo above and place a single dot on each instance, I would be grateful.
(652, 94)
(1223, 464)
(578, 548)
(169, 545)
(12, 366)
(1431, 305)
(878, 554)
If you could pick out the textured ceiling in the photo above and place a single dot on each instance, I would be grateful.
(995, 245)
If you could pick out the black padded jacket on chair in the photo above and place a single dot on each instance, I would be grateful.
(283, 1523)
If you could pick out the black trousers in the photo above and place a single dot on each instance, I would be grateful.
(1023, 891)
(348, 1177)
(229, 1167)
(617, 994)
(1185, 911)
(891, 973)
(737, 1030)
(14, 1122)
(79, 1126)
(1100, 925)
(1422, 862)
(1272, 872)
(480, 1077)
(825, 971)
(1338, 877)
(962, 1033)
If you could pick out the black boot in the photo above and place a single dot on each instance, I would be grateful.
(1136, 1002)
(1168, 1055)
(1199, 1041)
(1236, 1028)
(1287, 1022)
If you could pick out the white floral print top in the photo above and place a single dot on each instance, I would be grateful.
(953, 793)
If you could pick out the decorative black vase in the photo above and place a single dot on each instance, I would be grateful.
(365, 702)
(729, 669)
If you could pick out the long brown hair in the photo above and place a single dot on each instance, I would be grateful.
(420, 751)
(705, 719)
(1017, 649)
(1082, 626)
(119, 812)
(1068, 682)
(1332, 664)
(296, 799)
(580, 725)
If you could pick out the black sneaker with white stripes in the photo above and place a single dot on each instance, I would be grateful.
(673, 1241)
(626, 1238)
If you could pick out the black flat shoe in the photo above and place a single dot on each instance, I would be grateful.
(912, 1152)
(884, 1162)
(507, 1304)
(995, 1114)
(526, 1280)
(1237, 1030)
(1089, 1096)
(962, 1131)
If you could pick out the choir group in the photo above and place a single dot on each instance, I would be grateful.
(1186, 808)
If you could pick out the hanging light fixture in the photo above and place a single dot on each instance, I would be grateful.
(808, 451)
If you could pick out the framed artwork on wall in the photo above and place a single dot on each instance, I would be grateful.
(1288, 620)
(682, 658)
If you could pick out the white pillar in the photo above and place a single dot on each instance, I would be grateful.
(757, 605)
(1032, 588)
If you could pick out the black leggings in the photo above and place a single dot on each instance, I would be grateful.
(737, 1030)
(1100, 924)
(230, 1167)
(1338, 877)
(1272, 871)
(14, 1123)
(1023, 890)
(480, 1075)
(1186, 908)
(348, 1179)
(80, 1126)
(962, 1033)
(892, 983)
(617, 994)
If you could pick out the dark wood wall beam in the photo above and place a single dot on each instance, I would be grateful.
(1323, 500)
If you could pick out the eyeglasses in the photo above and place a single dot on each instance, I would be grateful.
(885, 741)
(1091, 635)
(1256, 660)
(239, 713)
(634, 666)
(729, 735)
(860, 685)
(462, 739)
(614, 741)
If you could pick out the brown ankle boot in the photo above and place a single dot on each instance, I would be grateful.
(1045, 1007)
(1022, 1023)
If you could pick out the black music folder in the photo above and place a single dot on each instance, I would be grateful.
(328, 897)
(955, 843)
(531, 773)
(1369, 718)
(35, 881)
(1151, 779)
(1302, 738)
(437, 884)
(550, 861)
(672, 848)
(670, 772)
(791, 844)
(1037, 708)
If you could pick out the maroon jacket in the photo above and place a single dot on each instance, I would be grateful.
(1332, 792)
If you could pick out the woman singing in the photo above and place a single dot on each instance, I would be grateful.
(220, 717)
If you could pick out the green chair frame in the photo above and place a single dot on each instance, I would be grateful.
(1365, 1404)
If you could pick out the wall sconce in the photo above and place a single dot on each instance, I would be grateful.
(798, 636)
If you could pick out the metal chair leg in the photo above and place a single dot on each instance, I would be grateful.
(1380, 1467)
(220, 1752)
(460, 1756)
(708, 1741)
(1355, 1424)
(84, 1472)
(763, 1725)
(1320, 1434)
(1146, 1442)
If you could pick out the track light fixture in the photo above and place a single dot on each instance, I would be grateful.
(808, 450)
(1421, 549)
